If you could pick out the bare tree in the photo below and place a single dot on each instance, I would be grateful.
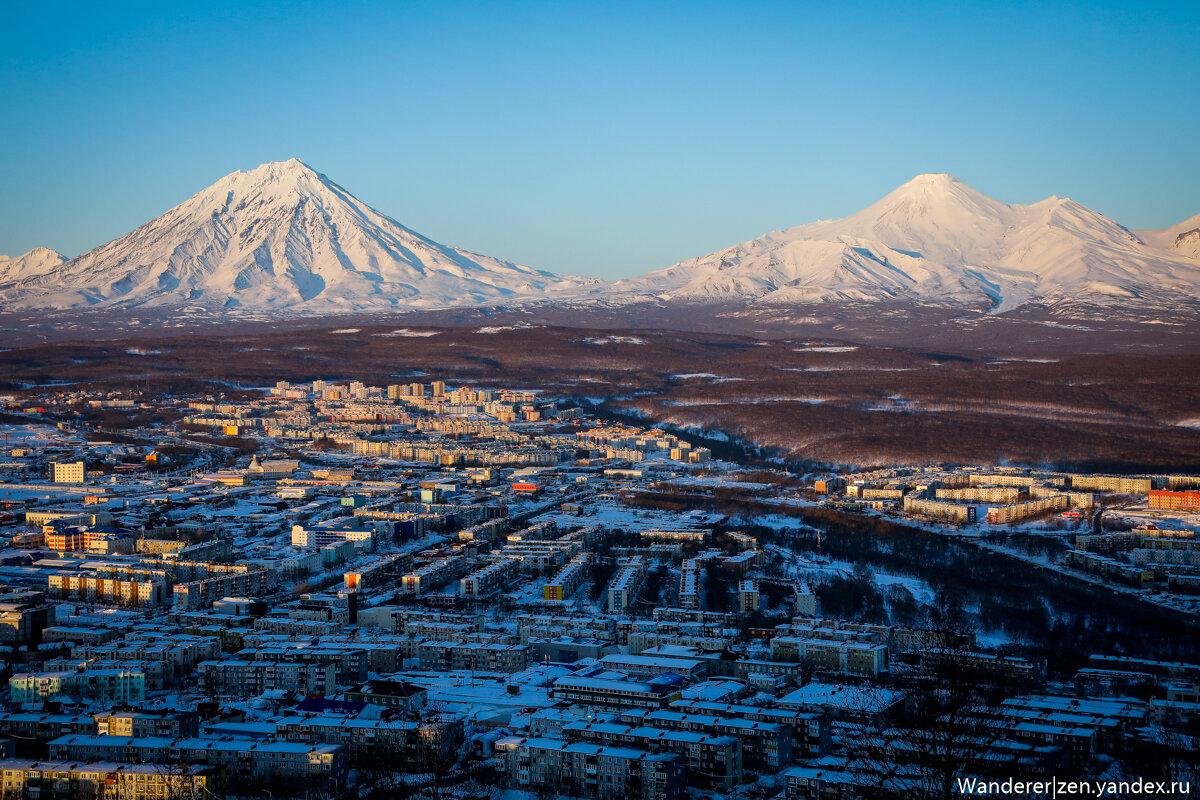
(949, 726)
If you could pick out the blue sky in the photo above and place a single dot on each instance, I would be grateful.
(594, 138)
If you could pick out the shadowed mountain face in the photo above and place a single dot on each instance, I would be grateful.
(280, 239)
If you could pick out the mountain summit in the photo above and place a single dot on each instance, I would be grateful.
(283, 239)
(38, 261)
(937, 240)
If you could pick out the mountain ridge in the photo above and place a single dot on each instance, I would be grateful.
(281, 238)
(935, 239)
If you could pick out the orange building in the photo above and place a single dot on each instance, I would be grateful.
(1175, 500)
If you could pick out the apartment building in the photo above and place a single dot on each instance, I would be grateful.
(94, 685)
(1111, 483)
(68, 472)
(434, 575)
(714, 761)
(376, 572)
(592, 771)
(71, 780)
(569, 578)
(202, 593)
(239, 757)
(1175, 501)
(548, 626)
(1119, 571)
(350, 660)
(690, 593)
(980, 494)
(766, 746)
(625, 584)
(409, 739)
(807, 603)
(845, 656)
(1002, 515)
(99, 588)
(590, 689)
(749, 597)
(173, 724)
(473, 656)
(939, 509)
(240, 678)
(494, 577)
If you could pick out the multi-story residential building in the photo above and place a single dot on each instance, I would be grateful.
(611, 692)
(202, 593)
(766, 746)
(173, 724)
(434, 575)
(241, 758)
(101, 588)
(645, 666)
(238, 678)
(807, 604)
(981, 494)
(1111, 483)
(833, 655)
(690, 591)
(71, 780)
(1001, 515)
(94, 685)
(1119, 571)
(749, 597)
(42, 725)
(497, 575)
(350, 660)
(713, 761)
(582, 769)
(625, 585)
(569, 578)
(938, 509)
(1175, 501)
(376, 572)
(548, 626)
(411, 740)
(68, 472)
(473, 656)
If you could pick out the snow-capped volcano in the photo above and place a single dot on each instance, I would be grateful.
(935, 239)
(281, 238)
(38, 261)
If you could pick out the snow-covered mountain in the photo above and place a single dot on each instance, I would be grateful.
(937, 240)
(283, 239)
(1183, 239)
(38, 261)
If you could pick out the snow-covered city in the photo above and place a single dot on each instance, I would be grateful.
(323, 588)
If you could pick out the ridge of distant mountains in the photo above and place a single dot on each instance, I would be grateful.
(285, 240)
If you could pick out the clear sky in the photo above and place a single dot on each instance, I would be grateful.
(594, 138)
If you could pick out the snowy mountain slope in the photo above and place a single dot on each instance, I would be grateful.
(281, 238)
(937, 240)
(38, 261)
(1182, 239)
